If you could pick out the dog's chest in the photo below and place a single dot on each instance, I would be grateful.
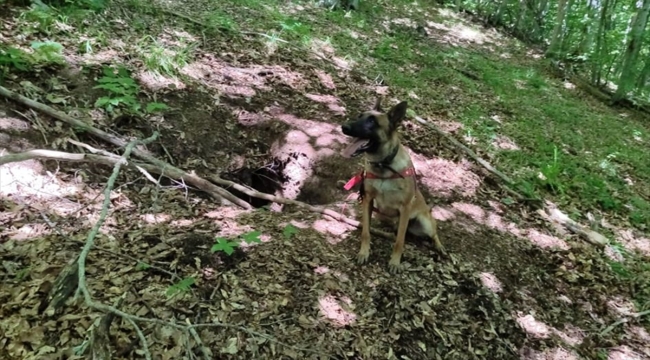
(390, 194)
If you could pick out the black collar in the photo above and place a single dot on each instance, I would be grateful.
(385, 163)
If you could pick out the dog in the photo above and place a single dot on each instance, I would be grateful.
(388, 183)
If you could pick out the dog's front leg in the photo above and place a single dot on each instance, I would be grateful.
(366, 212)
(398, 248)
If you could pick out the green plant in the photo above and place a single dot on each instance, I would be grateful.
(162, 60)
(228, 246)
(122, 92)
(551, 174)
(182, 286)
(12, 58)
(47, 52)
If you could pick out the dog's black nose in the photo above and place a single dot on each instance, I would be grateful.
(346, 128)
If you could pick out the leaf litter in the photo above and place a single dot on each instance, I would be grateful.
(296, 286)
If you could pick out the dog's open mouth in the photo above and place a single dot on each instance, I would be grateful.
(356, 147)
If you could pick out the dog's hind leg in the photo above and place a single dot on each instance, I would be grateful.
(426, 225)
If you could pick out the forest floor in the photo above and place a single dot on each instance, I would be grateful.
(248, 82)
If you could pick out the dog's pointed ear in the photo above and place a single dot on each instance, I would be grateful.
(396, 113)
(377, 106)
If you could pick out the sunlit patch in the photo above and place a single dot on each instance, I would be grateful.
(571, 335)
(475, 212)
(322, 48)
(534, 328)
(156, 82)
(624, 352)
(343, 63)
(621, 306)
(569, 85)
(404, 22)
(442, 214)
(229, 79)
(463, 32)
(321, 270)
(225, 212)
(101, 57)
(13, 124)
(180, 223)
(546, 241)
(335, 231)
(632, 242)
(496, 206)
(325, 79)
(28, 182)
(557, 353)
(155, 218)
(613, 253)
(504, 143)
(444, 177)
(565, 299)
(27, 231)
(331, 101)
(491, 282)
(332, 310)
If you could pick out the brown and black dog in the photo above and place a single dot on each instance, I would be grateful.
(388, 180)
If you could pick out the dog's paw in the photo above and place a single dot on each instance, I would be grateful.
(362, 257)
(394, 267)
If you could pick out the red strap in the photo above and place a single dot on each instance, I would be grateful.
(358, 178)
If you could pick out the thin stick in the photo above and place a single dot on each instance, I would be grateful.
(219, 194)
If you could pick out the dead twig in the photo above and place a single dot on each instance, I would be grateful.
(219, 194)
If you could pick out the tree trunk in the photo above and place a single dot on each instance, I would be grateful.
(643, 78)
(626, 81)
(556, 37)
(598, 51)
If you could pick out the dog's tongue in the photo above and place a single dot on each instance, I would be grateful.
(352, 148)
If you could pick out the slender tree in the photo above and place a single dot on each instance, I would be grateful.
(557, 36)
(626, 80)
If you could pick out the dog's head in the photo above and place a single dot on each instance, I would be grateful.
(373, 128)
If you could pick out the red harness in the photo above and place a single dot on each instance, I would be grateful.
(360, 177)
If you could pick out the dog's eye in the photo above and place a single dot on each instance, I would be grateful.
(372, 120)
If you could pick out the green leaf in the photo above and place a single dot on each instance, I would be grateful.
(224, 245)
(289, 231)
(252, 237)
(181, 286)
(141, 266)
(154, 106)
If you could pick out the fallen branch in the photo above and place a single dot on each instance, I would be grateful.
(112, 160)
(172, 173)
(219, 194)
(468, 151)
(548, 213)
(280, 200)
(553, 214)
